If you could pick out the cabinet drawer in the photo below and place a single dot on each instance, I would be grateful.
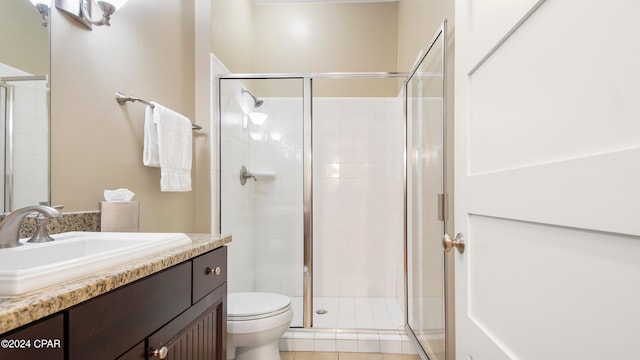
(111, 324)
(209, 272)
(139, 352)
(41, 340)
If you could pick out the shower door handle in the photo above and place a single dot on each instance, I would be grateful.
(449, 244)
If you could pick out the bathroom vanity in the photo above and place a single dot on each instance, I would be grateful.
(171, 305)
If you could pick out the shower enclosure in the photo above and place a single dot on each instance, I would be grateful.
(330, 185)
(320, 216)
(24, 141)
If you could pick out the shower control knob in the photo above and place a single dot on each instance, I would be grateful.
(159, 353)
(215, 271)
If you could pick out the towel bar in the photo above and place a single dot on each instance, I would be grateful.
(122, 99)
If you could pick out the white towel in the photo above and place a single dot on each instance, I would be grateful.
(173, 133)
(150, 156)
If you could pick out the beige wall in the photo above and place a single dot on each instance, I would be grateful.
(232, 34)
(203, 139)
(309, 38)
(325, 37)
(97, 144)
(318, 38)
(418, 20)
(23, 40)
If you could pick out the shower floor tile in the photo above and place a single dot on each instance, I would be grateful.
(352, 313)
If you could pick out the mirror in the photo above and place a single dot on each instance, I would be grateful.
(24, 104)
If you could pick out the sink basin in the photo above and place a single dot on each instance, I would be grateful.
(74, 254)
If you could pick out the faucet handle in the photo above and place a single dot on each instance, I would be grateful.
(41, 234)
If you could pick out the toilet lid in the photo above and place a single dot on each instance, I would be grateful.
(255, 303)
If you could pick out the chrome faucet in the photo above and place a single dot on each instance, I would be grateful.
(10, 224)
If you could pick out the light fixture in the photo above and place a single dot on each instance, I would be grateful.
(107, 7)
(80, 10)
(43, 8)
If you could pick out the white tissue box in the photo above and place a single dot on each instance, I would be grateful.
(119, 216)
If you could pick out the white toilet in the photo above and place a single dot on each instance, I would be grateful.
(255, 323)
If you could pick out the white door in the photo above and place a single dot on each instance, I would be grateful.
(547, 183)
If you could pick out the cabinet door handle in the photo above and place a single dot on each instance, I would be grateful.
(159, 353)
(215, 271)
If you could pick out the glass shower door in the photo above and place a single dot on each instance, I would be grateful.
(261, 185)
(425, 213)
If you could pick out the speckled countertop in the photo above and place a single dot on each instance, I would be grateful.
(16, 311)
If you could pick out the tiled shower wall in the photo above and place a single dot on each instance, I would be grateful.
(264, 216)
(31, 143)
(358, 196)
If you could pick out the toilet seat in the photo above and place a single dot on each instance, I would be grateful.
(254, 306)
(255, 312)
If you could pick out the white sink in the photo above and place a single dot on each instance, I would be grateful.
(74, 254)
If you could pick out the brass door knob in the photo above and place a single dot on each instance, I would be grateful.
(458, 243)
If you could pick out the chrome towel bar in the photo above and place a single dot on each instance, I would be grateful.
(122, 99)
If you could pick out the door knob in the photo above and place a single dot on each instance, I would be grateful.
(159, 353)
(458, 243)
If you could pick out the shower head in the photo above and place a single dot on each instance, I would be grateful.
(256, 102)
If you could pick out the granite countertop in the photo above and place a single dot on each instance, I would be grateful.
(16, 311)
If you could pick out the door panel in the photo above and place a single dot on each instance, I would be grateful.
(591, 192)
(488, 30)
(585, 81)
(425, 183)
(559, 281)
(547, 146)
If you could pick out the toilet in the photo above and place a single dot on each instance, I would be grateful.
(255, 323)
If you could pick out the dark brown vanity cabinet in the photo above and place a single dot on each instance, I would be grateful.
(178, 313)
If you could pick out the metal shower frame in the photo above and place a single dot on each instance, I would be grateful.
(307, 162)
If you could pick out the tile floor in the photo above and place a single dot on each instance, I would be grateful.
(303, 355)
(352, 313)
(349, 325)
